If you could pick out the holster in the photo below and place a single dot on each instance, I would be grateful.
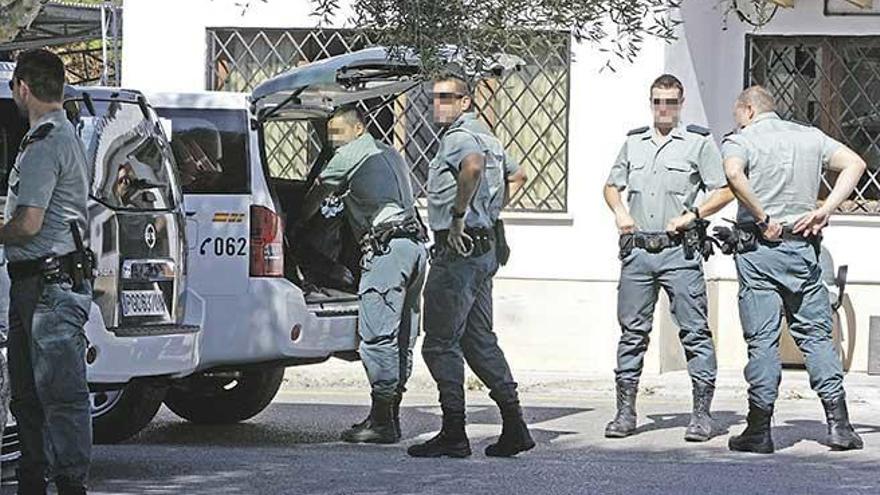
(502, 249)
(696, 240)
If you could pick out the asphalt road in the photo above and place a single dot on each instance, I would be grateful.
(292, 448)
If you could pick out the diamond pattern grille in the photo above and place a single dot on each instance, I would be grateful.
(832, 82)
(528, 110)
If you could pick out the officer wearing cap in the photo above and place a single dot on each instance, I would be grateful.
(374, 183)
(774, 168)
(663, 168)
(50, 296)
(462, 180)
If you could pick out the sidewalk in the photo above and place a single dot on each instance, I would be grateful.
(342, 376)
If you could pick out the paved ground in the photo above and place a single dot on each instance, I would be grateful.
(291, 449)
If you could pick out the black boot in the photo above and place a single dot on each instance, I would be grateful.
(452, 440)
(756, 437)
(31, 485)
(515, 437)
(700, 427)
(624, 423)
(380, 426)
(67, 487)
(395, 413)
(841, 435)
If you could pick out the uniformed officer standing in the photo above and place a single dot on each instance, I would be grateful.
(468, 170)
(374, 183)
(663, 168)
(774, 169)
(51, 293)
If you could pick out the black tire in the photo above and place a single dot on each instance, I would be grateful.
(121, 414)
(224, 400)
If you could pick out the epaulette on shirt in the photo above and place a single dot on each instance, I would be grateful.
(698, 129)
(637, 130)
(38, 134)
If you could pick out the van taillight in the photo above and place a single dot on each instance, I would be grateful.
(267, 243)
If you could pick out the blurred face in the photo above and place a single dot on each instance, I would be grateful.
(666, 104)
(341, 132)
(449, 102)
(743, 114)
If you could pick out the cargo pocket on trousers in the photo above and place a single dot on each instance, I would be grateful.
(380, 310)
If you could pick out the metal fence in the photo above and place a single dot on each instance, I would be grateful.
(528, 109)
(832, 82)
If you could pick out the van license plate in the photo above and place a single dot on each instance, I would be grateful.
(143, 303)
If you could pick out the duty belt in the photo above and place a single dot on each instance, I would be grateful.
(483, 241)
(653, 242)
(377, 239)
(53, 269)
(745, 236)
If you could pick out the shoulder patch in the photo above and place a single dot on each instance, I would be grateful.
(38, 134)
(698, 129)
(637, 130)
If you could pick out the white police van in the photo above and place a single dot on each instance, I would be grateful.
(139, 330)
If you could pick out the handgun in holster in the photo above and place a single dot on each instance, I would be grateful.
(696, 240)
(83, 259)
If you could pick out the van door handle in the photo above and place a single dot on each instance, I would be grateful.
(191, 213)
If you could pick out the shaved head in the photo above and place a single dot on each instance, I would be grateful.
(758, 98)
(752, 102)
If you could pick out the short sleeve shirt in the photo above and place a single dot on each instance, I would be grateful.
(443, 170)
(50, 173)
(784, 161)
(663, 180)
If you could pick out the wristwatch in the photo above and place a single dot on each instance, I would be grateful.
(456, 215)
(763, 224)
(696, 211)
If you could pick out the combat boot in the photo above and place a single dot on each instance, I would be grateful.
(756, 437)
(31, 485)
(66, 487)
(624, 423)
(700, 427)
(452, 441)
(515, 437)
(379, 427)
(841, 435)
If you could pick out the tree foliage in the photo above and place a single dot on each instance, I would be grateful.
(480, 28)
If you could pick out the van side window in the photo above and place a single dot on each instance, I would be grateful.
(293, 148)
(210, 148)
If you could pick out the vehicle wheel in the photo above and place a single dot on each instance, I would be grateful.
(118, 415)
(223, 399)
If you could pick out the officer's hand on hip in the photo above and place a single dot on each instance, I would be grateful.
(625, 223)
(773, 232)
(458, 239)
(681, 222)
(812, 223)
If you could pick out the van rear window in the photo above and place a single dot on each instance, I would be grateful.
(210, 148)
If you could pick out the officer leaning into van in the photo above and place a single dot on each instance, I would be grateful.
(374, 183)
(663, 168)
(468, 167)
(51, 288)
(774, 167)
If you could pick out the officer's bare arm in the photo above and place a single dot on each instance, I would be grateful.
(850, 167)
(515, 182)
(614, 200)
(715, 202)
(735, 169)
(468, 178)
(25, 224)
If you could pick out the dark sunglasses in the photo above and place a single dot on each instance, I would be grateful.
(448, 96)
(665, 101)
(12, 84)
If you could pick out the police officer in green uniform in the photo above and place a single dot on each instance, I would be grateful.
(50, 296)
(462, 179)
(663, 168)
(774, 168)
(374, 183)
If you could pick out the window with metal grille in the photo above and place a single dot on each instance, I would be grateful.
(528, 109)
(832, 82)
